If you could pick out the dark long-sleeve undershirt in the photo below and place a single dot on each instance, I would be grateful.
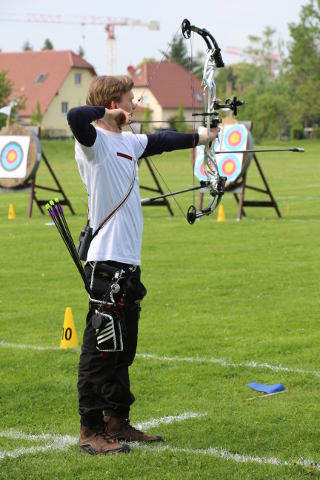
(80, 118)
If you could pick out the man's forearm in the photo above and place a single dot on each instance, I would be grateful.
(168, 141)
(80, 118)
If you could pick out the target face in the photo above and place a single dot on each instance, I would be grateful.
(235, 137)
(231, 139)
(230, 166)
(13, 156)
(199, 169)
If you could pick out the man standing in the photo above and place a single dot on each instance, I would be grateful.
(107, 161)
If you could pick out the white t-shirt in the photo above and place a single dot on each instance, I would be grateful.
(107, 170)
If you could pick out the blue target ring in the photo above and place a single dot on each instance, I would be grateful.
(11, 156)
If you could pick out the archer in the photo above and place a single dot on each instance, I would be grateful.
(107, 161)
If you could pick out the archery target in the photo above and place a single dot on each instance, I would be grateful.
(199, 165)
(234, 137)
(231, 138)
(230, 166)
(199, 170)
(13, 156)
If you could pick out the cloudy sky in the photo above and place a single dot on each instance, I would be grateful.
(230, 21)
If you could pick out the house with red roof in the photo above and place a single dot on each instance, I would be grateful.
(58, 80)
(163, 87)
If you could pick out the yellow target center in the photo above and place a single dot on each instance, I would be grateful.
(228, 167)
(12, 156)
(234, 138)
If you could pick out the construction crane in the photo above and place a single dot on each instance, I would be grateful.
(274, 58)
(109, 22)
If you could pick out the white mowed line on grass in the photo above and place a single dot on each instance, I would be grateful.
(61, 442)
(235, 457)
(222, 362)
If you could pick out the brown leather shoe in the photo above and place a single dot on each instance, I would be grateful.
(119, 429)
(97, 443)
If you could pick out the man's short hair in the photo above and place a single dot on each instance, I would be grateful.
(104, 89)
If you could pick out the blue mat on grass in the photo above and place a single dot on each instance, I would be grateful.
(277, 387)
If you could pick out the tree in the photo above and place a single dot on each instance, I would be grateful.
(47, 45)
(5, 91)
(36, 116)
(146, 118)
(177, 122)
(26, 47)
(81, 52)
(264, 51)
(303, 66)
(180, 119)
(177, 52)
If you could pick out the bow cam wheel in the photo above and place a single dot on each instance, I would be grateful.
(185, 27)
(191, 215)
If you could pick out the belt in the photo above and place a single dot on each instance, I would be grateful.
(107, 269)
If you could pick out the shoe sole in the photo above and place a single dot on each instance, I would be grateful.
(91, 451)
(121, 439)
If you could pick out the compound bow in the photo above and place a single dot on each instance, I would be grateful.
(215, 183)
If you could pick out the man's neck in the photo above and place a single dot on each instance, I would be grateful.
(106, 126)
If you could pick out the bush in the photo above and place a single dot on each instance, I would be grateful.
(316, 133)
(297, 133)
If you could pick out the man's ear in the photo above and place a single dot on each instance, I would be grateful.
(113, 105)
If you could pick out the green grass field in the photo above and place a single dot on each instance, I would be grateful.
(228, 303)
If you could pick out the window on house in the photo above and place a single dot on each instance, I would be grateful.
(64, 108)
(77, 78)
(41, 77)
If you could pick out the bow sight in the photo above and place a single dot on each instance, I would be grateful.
(217, 105)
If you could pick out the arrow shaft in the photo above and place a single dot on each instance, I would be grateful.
(296, 149)
(171, 194)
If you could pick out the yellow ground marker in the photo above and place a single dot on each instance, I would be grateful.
(69, 338)
(221, 214)
(11, 213)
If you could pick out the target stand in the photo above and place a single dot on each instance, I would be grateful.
(20, 155)
(157, 189)
(233, 137)
(160, 202)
